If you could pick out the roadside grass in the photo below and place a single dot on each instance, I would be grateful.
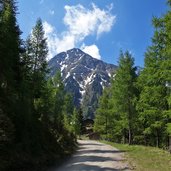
(142, 158)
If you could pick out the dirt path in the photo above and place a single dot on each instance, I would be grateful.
(95, 156)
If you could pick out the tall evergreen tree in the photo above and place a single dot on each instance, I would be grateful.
(59, 102)
(124, 93)
(76, 123)
(165, 27)
(10, 75)
(27, 101)
(103, 120)
(36, 54)
(9, 51)
(154, 83)
(116, 114)
(68, 109)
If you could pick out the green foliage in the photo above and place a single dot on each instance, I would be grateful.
(31, 108)
(169, 129)
(154, 102)
(140, 106)
(103, 118)
(68, 109)
(116, 114)
(9, 57)
(59, 101)
(35, 58)
(125, 95)
(76, 122)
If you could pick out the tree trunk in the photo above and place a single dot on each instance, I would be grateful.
(124, 139)
(124, 136)
(170, 144)
(130, 137)
(129, 122)
(106, 129)
(157, 139)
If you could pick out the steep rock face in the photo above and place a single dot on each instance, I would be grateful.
(83, 76)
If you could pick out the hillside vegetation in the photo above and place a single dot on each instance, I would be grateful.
(136, 108)
(35, 113)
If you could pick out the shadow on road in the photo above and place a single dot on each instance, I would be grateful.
(89, 158)
(81, 163)
(86, 167)
(101, 151)
(94, 157)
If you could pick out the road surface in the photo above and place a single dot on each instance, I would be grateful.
(95, 156)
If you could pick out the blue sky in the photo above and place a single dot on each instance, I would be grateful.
(99, 27)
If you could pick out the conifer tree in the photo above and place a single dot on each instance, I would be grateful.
(68, 109)
(34, 90)
(76, 123)
(28, 103)
(153, 82)
(59, 102)
(9, 54)
(124, 93)
(103, 118)
(10, 75)
(36, 57)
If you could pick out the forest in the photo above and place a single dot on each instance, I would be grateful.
(136, 108)
(39, 124)
(35, 111)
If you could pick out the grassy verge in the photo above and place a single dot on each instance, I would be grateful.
(143, 158)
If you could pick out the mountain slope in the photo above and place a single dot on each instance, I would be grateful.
(83, 76)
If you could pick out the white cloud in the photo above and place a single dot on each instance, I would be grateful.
(92, 50)
(83, 22)
(47, 28)
(67, 42)
(52, 39)
(51, 12)
(80, 23)
(57, 43)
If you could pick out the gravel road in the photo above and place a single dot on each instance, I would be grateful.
(95, 156)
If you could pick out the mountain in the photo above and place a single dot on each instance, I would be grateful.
(83, 76)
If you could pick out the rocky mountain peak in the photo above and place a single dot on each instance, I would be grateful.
(83, 76)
